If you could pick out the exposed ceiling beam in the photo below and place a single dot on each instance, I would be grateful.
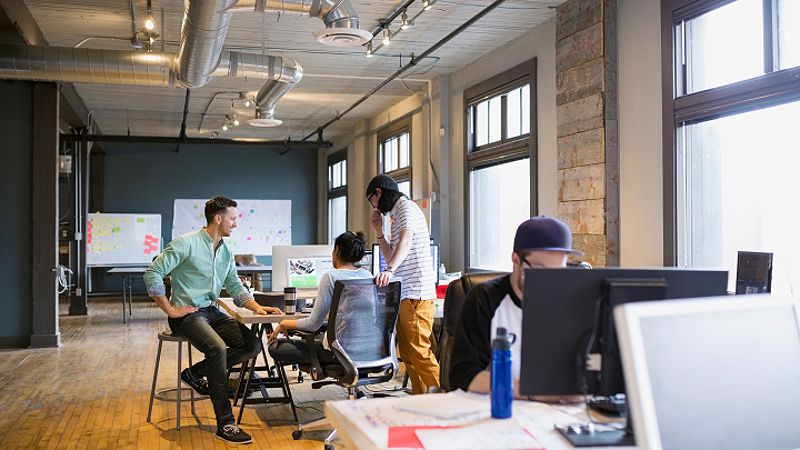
(269, 144)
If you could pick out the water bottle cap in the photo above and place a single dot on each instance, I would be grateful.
(502, 340)
(290, 290)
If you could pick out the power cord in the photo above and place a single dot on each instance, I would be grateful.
(63, 281)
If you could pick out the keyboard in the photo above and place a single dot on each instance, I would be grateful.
(615, 405)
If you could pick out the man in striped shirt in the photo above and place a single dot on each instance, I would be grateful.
(408, 257)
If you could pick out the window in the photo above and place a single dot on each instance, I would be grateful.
(337, 195)
(500, 149)
(394, 154)
(732, 138)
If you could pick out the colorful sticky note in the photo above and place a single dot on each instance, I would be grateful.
(116, 229)
(140, 220)
(406, 437)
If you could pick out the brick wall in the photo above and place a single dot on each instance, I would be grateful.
(588, 154)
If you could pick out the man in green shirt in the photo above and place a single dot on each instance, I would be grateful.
(200, 264)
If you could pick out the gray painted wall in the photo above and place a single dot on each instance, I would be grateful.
(146, 178)
(16, 109)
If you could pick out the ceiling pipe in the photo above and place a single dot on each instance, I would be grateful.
(273, 90)
(400, 71)
(199, 58)
(339, 16)
(205, 25)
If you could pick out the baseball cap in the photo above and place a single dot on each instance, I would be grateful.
(383, 182)
(545, 234)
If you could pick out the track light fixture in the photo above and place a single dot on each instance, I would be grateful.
(427, 4)
(387, 38)
(404, 21)
(149, 24)
(369, 49)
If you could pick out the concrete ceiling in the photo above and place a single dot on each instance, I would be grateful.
(333, 77)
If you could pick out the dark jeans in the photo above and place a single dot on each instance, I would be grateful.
(296, 351)
(225, 342)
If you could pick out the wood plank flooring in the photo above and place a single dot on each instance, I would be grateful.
(92, 393)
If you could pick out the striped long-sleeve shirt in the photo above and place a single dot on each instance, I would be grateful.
(416, 271)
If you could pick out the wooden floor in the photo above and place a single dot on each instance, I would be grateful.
(93, 391)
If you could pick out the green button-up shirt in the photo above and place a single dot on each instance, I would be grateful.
(197, 272)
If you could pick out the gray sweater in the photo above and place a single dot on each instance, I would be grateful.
(322, 305)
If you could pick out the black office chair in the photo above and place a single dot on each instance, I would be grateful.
(454, 298)
(361, 341)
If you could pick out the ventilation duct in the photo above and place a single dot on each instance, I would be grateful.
(200, 56)
(340, 18)
(85, 65)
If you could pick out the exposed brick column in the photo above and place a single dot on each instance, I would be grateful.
(588, 151)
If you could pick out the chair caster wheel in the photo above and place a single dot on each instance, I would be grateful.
(329, 447)
(297, 434)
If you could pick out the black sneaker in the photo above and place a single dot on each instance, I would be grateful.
(233, 434)
(198, 384)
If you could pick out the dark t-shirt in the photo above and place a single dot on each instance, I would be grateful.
(488, 306)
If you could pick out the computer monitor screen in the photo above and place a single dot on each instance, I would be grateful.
(567, 316)
(300, 266)
(379, 263)
(728, 379)
(366, 261)
(754, 273)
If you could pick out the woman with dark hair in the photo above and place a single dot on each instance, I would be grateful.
(348, 250)
(407, 253)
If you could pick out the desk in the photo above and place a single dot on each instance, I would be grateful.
(251, 271)
(364, 424)
(260, 324)
(127, 274)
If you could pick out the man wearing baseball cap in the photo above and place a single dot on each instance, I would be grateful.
(407, 253)
(540, 242)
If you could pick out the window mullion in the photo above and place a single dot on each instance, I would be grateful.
(770, 55)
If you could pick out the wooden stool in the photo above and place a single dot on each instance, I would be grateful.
(169, 336)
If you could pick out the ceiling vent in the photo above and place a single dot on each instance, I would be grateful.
(343, 37)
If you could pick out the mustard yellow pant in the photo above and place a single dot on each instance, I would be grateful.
(414, 328)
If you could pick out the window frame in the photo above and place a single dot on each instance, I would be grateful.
(340, 191)
(388, 132)
(507, 149)
(773, 88)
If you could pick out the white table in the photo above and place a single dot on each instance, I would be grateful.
(127, 298)
(261, 325)
(251, 271)
(364, 424)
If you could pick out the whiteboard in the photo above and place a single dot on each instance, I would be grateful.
(122, 239)
(260, 225)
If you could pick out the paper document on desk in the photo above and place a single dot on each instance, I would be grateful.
(493, 434)
(456, 405)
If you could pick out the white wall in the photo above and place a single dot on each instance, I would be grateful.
(538, 43)
(641, 210)
(640, 139)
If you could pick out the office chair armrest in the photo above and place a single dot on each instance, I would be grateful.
(317, 373)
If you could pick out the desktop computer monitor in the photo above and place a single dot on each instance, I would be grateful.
(366, 261)
(754, 273)
(379, 263)
(300, 266)
(569, 343)
(728, 379)
(567, 319)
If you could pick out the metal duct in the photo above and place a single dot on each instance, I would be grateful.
(288, 73)
(86, 65)
(205, 25)
(295, 6)
(340, 18)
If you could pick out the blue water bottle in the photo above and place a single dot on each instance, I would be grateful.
(502, 387)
